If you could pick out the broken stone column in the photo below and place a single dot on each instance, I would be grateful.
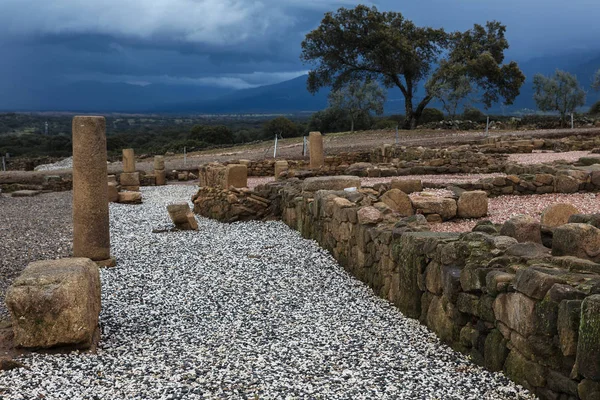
(182, 216)
(317, 158)
(280, 166)
(159, 171)
(129, 179)
(91, 235)
(128, 160)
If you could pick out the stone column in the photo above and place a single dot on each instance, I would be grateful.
(159, 170)
(128, 160)
(317, 159)
(91, 235)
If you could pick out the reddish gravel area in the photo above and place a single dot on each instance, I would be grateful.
(503, 207)
(436, 179)
(538, 157)
(259, 180)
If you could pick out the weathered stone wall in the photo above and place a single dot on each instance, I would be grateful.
(509, 145)
(562, 181)
(11, 181)
(513, 307)
(334, 165)
(421, 160)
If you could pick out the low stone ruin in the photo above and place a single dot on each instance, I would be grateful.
(216, 175)
(242, 204)
(55, 303)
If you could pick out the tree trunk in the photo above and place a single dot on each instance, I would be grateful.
(409, 122)
(351, 123)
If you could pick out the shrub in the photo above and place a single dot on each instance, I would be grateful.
(473, 114)
(595, 109)
(431, 115)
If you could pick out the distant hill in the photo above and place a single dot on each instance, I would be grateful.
(285, 97)
(92, 96)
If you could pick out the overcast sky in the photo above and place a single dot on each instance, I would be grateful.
(237, 43)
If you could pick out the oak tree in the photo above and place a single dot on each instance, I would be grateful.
(363, 44)
(560, 92)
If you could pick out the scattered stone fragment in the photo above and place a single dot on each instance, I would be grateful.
(182, 216)
(25, 193)
(130, 197)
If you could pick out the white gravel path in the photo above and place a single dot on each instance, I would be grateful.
(244, 311)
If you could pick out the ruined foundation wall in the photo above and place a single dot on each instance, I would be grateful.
(512, 307)
(509, 306)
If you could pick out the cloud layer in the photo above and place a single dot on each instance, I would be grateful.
(234, 43)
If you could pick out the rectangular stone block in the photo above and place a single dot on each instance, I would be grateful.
(212, 175)
(113, 192)
(161, 177)
(128, 160)
(130, 179)
(132, 197)
(236, 175)
(55, 303)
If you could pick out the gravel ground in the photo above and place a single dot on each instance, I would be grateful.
(538, 157)
(244, 311)
(66, 163)
(32, 228)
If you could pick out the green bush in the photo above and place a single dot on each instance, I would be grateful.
(431, 115)
(595, 109)
(385, 124)
(473, 114)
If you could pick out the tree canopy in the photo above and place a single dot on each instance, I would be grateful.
(217, 134)
(358, 98)
(596, 81)
(280, 126)
(560, 92)
(365, 44)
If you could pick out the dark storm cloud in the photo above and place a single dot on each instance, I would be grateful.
(235, 43)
